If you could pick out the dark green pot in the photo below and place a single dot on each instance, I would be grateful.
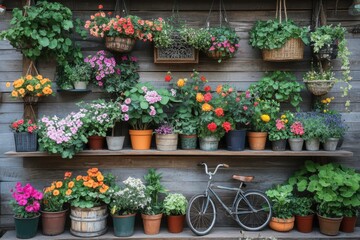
(26, 227)
(124, 225)
(188, 141)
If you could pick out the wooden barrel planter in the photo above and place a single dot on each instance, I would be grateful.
(88, 222)
(293, 50)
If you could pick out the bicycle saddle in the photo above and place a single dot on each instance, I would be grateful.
(243, 178)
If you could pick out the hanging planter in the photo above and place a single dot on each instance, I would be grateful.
(319, 87)
(293, 50)
(120, 44)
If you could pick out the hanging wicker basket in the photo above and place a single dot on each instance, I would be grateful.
(293, 50)
(319, 87)
(120, 44)
(216, 55)
(328, 52)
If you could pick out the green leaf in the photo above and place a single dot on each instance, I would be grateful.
(144, 105)
(68, 41)
(53, 44)
(44, 41)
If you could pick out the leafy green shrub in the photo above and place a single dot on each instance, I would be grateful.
(302, 206)
(280, 197)
(175, 204)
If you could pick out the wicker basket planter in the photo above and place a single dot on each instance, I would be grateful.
(293, 50)
(120, 44)
(319, 87)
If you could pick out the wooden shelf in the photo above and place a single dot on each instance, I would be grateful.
(246, 153)
(74, 90)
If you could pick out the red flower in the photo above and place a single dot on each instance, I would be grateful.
(219, 112)
(245, 108)
(207, 97)
(203, 78)
(207, 88)
(168, 77)
(255, 104)
(212, 127)
(226, 126)
(101, 6)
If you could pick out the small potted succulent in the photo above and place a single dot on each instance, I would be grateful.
(175, 205)
(304, 214)
(166, 137)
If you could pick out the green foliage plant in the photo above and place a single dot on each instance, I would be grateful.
(175, 204)
(42, 30)
(80, 72)
(280, 86)
(302, 206)
(272, 34)
(335, 188)
(280, 197)
(153, 190)
(198, 38)
(314, 125)
(279, 129)
(319, 75)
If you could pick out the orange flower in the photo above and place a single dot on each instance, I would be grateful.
(8, 84)
(28, 77)
(39, 77)
(47, 91)
(71, 184)
(56, 192)
(47, 189)
(30, 88)
(78, 178)
(219, 89)
(21, 91)
(37, 86)
(100, 178)
(14, 94)
(199, 97)
(203, 78)
(180, 82)
(68, 192)
(59, 184)
(206, 107)
(18, 83)
(104, 188)
(52, 187)
(67, 175)
(95, 185)
(85, 178)
(219, 112)
(43, 81)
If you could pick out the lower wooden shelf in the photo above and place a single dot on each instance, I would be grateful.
(249, 153)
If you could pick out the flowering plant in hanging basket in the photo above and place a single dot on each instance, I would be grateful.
(319, 83)
(26, 202)
(30, 86)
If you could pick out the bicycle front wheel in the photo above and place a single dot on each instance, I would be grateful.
(201, 214)
(253, 220)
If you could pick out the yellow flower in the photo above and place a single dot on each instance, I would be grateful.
(206, 107)
(8, 84)
(283, 116)
(28, 77)
(324, 101)
(39, 77)
(328, 100)
(21, 91)
(37, 86)
(181, 82)
(199, 97)
(286, 121)
(30, 88)
(43, 81)
(14, 94)
(265, 118)
(56, 192)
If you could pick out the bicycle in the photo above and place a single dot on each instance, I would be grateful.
(250, 209)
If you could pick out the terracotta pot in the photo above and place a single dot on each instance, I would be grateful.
(53, 223)
(140, 139)
(176, 223)
(304, 224)
(151, 223)
(282, 225)
(329, 226)
(257, 140)
(96, 142)
(348, 224)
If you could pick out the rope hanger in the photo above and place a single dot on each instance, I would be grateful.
(280, 4)
(222, 14)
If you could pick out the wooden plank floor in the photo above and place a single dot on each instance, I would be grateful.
(216, 233)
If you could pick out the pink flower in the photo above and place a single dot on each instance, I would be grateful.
(280, 125)
(245, 108)
(297, 128)
(128, 101)
(126, 117)
(124, 108)
(29, 208)
(22, 202)
(248, 94)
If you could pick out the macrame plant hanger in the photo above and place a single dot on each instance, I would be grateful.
(280, 5)
(120, 8)
(223, 19)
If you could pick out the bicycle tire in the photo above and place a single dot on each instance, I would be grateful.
(200, 224)
(257, 220)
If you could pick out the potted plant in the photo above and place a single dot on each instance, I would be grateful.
(166, 137)
(264, 111)
(120, 33)
(53, 205)
(213, 122)
(26, 207)
(186, 114)
(79, 75)
(25, 135)
(350, 215)
(333, 186)
(335, 129)
(88, 199)
(280, 86)
(175, 205)
(319, 82)
(125, 203)
(314, 128)
(304, 215)
(152, 213)
(239, 108)
(99, 116)
(279, 133)
(116, 112)
(146, 108)
(65, 136)
(296, 141)
(279, 41)
(29, 88)
(283, 218)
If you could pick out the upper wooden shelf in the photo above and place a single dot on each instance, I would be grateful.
(249, 153)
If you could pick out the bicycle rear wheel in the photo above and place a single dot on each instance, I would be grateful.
(201, 214)
(249, 220)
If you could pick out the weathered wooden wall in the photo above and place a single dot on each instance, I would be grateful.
(247, 67)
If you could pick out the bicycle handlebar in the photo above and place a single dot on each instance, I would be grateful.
(216, 169)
